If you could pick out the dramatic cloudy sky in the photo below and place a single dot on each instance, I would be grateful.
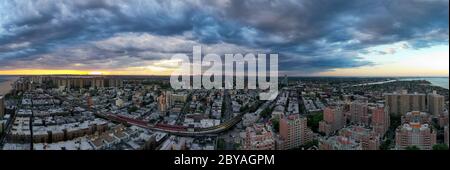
(312, 37)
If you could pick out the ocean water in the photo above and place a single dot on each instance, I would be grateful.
(436, 81)
(6, 78)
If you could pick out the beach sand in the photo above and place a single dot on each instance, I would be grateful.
(6, 86)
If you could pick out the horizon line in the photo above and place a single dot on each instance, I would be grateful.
(306, 76)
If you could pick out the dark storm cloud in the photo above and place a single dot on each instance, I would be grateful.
(313, 35)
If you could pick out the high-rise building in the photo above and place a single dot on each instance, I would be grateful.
(443, 119)
(294, 131)
(259, 137)
(2, 107)
(380, 120)
(333, 119)
(175, 101)
(22, 84)
(178, 97)
(416, 116)
(285, 81)
(162, 105)
(359, 113)
(400, 103)
(84, 81)
(90, 102)
(168, 95)
(435, 103)
(415, 132)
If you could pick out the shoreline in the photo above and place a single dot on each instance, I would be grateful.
(432, 83)
(373, 83)
(6, 86)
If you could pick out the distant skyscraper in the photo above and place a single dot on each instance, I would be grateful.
(400, 103)
(83, 81)
(22, 84)
(285, 81)
(333, 119)
(435, 103)
(414, 132)
(380, 120)
(294, 131)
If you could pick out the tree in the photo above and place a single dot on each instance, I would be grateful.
(202, 108)
(244, 109)
(276, 124)
(412, 148)
(440, 147)
(386, 144)
(237, 146)
(266, 113)
(395, 121)
(313, 121)
(221, 144)
(310, 144)
(255, 106)
(224, 108)
(132, 109)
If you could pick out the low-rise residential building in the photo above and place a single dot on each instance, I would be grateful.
(259, 137)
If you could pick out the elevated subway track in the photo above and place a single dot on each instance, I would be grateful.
(211, 131)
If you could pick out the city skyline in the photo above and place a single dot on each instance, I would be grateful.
(132, 113)
(224, 83)
(352, 38)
